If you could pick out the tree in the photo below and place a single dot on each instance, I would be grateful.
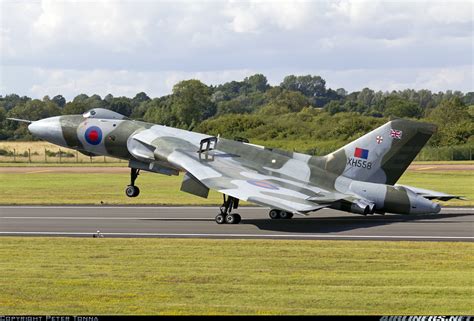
(81, 97)
(399, 107)
(191, 102)
(242, 104)
(257, 82)
(108, 98)
(59, 100)
(310, 86)
(10, 101)
(5, 133)
(95, 101)
(334, 107)
(229, 90)
(341, 92)
(139, 98)
(34, 110)
(469, 98)
(366, 97)
(455, 124)
(75, 108)
(158, 111)
(121, 105)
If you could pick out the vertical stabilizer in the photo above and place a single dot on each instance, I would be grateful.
(382, 155)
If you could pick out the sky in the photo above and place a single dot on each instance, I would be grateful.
(124, 47)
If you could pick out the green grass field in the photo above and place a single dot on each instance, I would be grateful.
(82, 188)
(184, 276)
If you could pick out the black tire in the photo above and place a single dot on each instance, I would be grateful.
(230, 219)
(130, 191)
(285, 215)
(274, 214)
(220, 219)
(137, 191)
(238, 218)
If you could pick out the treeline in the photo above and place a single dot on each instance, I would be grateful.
(300, 113)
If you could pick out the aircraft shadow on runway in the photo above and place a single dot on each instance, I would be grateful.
(345, 223)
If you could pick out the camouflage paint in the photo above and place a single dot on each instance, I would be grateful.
(302, 183)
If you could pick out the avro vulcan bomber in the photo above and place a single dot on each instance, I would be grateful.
(360, 177)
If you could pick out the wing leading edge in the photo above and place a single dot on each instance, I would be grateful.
(235, 174)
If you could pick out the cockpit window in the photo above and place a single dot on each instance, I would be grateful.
(102, 114)
(89, 114)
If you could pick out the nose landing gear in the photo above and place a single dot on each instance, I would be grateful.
(132, 190)
(225, 217)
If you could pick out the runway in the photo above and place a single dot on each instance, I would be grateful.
(452, 224)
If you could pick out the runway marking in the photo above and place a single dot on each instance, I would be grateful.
(106, 218)
(65, 206)
(119, 207)
(298, 236)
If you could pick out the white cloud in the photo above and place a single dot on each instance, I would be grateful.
(71, 83)
(123, 46)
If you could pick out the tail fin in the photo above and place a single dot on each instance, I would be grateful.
(382, 155)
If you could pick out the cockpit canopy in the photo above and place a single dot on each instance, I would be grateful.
(103, 114)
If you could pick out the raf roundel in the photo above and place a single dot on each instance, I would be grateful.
(93, 135)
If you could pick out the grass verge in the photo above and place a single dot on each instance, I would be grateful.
(183, 276)
(84, 188)
(92, 188)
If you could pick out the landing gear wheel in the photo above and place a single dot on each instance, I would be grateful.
(233, 219)
(230, 219)
(286, 215)
(238, 219)
(225, 216)
(132, 191)
(274, 214)
(220, 219)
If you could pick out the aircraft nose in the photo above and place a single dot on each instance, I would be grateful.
(48, 129)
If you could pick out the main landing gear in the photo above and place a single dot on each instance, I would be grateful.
(277, 214)
(132, 190)
(225, 217)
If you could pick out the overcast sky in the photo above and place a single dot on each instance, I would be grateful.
(124, 47)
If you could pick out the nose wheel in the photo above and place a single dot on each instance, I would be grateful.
(132, 190)
(225, 217)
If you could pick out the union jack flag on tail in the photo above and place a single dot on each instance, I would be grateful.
(396, 134)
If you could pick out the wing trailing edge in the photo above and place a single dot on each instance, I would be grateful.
(432, 195)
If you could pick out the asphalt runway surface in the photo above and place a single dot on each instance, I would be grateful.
(58, 169)
(452, 224)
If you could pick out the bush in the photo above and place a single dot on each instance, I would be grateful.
(58, 154)
(4, 152)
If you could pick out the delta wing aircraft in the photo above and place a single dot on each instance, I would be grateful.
(359, 177)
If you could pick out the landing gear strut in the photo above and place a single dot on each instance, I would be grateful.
(132, 190)
(277, 214)
(225, 217)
